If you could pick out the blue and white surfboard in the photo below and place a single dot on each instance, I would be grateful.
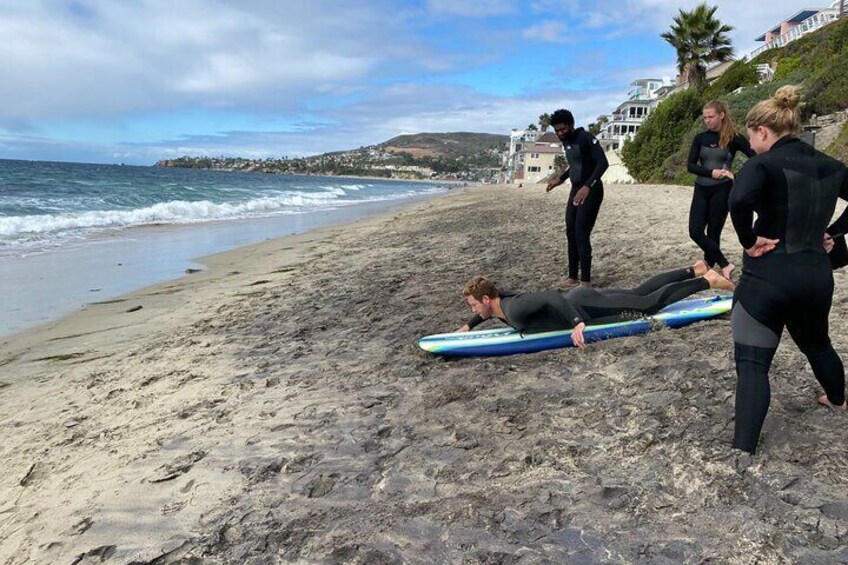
(507, 341)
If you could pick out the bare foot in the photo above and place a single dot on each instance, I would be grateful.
(569, 283)
(586, 284)
(718, 281)
(700, 268)
(825, 402)
(725, 271)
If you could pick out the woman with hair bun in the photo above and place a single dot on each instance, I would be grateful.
(787, 280)
(710, 158)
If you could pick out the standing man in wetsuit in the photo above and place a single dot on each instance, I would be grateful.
(586, 164)
(787, 279)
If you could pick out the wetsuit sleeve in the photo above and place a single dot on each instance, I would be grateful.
(599, 158)
(746, 193)
(692, 164)
(741, 143)
(564, 176)
(475, 321)
(841, 224)
(571, 312)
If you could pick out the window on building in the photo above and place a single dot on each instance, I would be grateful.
(534, 155)
(534, 169)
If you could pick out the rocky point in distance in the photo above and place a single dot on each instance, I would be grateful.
(457, 156)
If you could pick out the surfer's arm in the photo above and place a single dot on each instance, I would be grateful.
(475, 321)
(742, 144)
(841, 224)
(744, 196)
(570, 313)
(692, 164)
(600, 158)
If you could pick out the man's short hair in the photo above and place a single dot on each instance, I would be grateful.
(478, 287)
(562, 116)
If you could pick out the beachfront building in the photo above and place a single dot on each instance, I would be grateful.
(798, 25)
(518, 140)
(535, 162)
(625, 121)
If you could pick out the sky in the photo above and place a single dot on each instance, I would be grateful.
(136, 81)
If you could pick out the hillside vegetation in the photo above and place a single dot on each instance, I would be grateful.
(818, 62)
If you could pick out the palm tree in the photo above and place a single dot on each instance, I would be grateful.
(532, 127)
(699, 39)
(545, 121)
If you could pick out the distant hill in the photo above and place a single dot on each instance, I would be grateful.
(435, 156)
(451, 145)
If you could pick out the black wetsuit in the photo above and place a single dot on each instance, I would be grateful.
(551, 310)
(709, 200)
(586, 164)
(793, 190)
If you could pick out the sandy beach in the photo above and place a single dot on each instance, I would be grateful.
(275, 408)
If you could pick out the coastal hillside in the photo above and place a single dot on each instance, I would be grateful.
(448, 145)
(818, 62)
(425, 156)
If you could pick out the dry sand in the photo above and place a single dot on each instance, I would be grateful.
(276, 409)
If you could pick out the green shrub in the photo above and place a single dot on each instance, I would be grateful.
(739, 74)
(661, 135)
(786, 67)
(743, 101)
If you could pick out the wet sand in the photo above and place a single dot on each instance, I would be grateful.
(275, 408)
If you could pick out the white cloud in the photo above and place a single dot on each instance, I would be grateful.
(749, 19)
(151, 55)
(404, 108)
(472, 8)
(364, 68)
(547, 31)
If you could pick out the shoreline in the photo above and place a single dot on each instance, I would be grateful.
(97, 316)
(276, 406)
(113, 262)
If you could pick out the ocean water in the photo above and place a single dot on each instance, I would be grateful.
(45, 205)
(71, 233)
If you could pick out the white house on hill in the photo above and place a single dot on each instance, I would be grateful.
(626, 119)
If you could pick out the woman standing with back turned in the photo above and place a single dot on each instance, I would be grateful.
(710, 157)
(787, 278)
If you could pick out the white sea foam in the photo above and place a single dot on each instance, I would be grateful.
(183, 212)
(174, 212)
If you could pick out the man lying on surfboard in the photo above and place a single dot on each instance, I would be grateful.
(552, 310)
